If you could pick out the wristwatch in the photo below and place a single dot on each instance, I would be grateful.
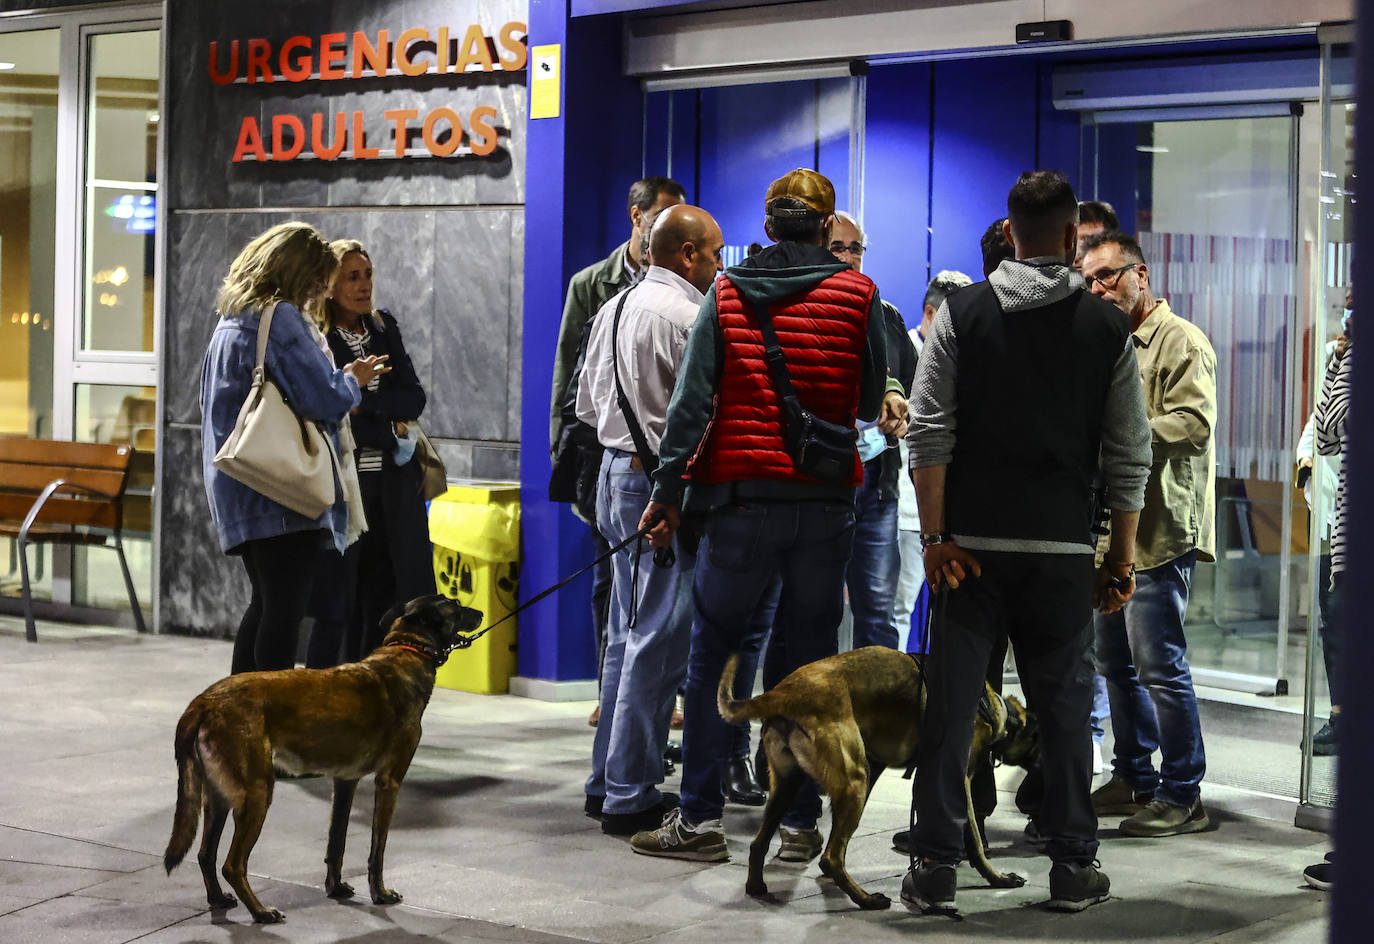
(936, 537)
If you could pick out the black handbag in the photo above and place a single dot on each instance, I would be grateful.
(823, 450)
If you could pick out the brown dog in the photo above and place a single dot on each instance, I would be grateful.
(346, 722)
(841, 721)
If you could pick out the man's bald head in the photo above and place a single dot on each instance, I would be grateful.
(687, 240)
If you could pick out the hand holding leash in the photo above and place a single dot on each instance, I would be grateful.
(893, 418)
(948, 564)
(662, 520)
(1115, 585)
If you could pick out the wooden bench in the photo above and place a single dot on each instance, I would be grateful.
(64, 493)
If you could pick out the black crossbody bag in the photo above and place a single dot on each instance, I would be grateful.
(818, 448)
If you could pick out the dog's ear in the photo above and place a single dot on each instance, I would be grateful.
(391, 616)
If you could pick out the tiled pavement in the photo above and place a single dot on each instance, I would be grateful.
(490, 844)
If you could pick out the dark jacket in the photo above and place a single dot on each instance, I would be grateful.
(784, 272)
(399, 396)
(901, 365)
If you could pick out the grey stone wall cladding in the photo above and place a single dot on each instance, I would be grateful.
(446, 237)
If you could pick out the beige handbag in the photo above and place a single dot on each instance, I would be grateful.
(434, 476)
(274, 451)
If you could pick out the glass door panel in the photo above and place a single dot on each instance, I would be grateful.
(1212, 203)
(107, 413)
(121, 191)
(1334, 193)
(28, 213)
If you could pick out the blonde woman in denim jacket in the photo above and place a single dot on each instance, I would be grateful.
(290, 265)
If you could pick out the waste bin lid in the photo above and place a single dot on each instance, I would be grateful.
(481, 493)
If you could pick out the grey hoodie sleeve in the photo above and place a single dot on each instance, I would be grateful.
(930, 435)
(1126, 452)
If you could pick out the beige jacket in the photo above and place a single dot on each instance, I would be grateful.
(1178, 370)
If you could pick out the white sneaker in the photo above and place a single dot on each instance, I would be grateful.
(1098, 766)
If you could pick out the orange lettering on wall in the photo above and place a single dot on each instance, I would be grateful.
(378, 57)
(442, 44)
(477, 126)
(509, 42)
(280, 152)
(250, 139)
(258, 51)
(299, 70)
(225, 78)
(403, 44)
(360, 148)
(332, 58)
(455, 134)
(472, 49)
(401, 116)
(337, 138)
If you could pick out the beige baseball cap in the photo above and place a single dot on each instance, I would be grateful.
(810, 188)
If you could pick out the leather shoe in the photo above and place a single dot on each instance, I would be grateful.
(627, 824)
(740, 784)
(673, 752)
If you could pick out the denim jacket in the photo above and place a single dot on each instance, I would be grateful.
(313, 387)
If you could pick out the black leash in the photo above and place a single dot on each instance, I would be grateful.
(464, 642)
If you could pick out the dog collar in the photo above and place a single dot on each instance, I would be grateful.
(427, 653)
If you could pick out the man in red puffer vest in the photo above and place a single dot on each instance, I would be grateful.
(723, 454)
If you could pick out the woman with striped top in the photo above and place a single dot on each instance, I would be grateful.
(392, 561)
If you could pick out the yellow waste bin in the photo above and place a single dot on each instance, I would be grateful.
(475, 530)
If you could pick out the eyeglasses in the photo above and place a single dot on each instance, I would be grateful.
(1109, 278)
(854, 249)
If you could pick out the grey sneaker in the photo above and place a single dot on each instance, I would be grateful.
(1164, 819)
(930, 886)
(1075, 887)
(1116, 797)
(679, 839)
(800, 845)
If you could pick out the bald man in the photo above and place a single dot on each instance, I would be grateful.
(639, 335)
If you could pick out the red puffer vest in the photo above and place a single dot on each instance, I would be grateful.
(822, 334)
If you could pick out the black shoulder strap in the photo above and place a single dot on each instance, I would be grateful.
(646, 456)
(776, 360)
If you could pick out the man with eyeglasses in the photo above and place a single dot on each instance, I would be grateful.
(1141, 651)
(1094, 218)
(875, 566)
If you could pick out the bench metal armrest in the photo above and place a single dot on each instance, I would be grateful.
(51, 489)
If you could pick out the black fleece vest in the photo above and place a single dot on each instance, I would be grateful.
(1032, 385)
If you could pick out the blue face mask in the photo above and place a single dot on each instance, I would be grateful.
(1345, 320)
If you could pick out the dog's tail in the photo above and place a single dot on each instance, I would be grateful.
(189, 789)
(746, 709)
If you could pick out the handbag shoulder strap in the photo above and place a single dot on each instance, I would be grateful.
(774, 357)
(647, 459)
(264, 329)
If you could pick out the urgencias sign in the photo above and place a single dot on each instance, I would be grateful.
(338, 56)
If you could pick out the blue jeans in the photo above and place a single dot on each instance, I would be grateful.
(1143, 655)
(1102, 708)
(645, 662)
(876, 564)
(804, 546)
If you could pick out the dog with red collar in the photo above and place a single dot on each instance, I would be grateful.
(347, 722)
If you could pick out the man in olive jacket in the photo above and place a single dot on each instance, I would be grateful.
(1142, 651)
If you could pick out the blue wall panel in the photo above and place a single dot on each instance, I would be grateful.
(985, 132)
(579, 169)
(897, 184)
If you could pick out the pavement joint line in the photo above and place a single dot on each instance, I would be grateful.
(90, 842)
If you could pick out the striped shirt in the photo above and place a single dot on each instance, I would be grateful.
(360, 343)
(1330, 424)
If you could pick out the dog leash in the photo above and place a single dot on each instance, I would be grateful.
(660, 560)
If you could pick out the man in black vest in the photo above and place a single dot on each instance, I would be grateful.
(1026, 392)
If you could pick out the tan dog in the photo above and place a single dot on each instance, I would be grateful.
(838, 719)
(346, 722)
